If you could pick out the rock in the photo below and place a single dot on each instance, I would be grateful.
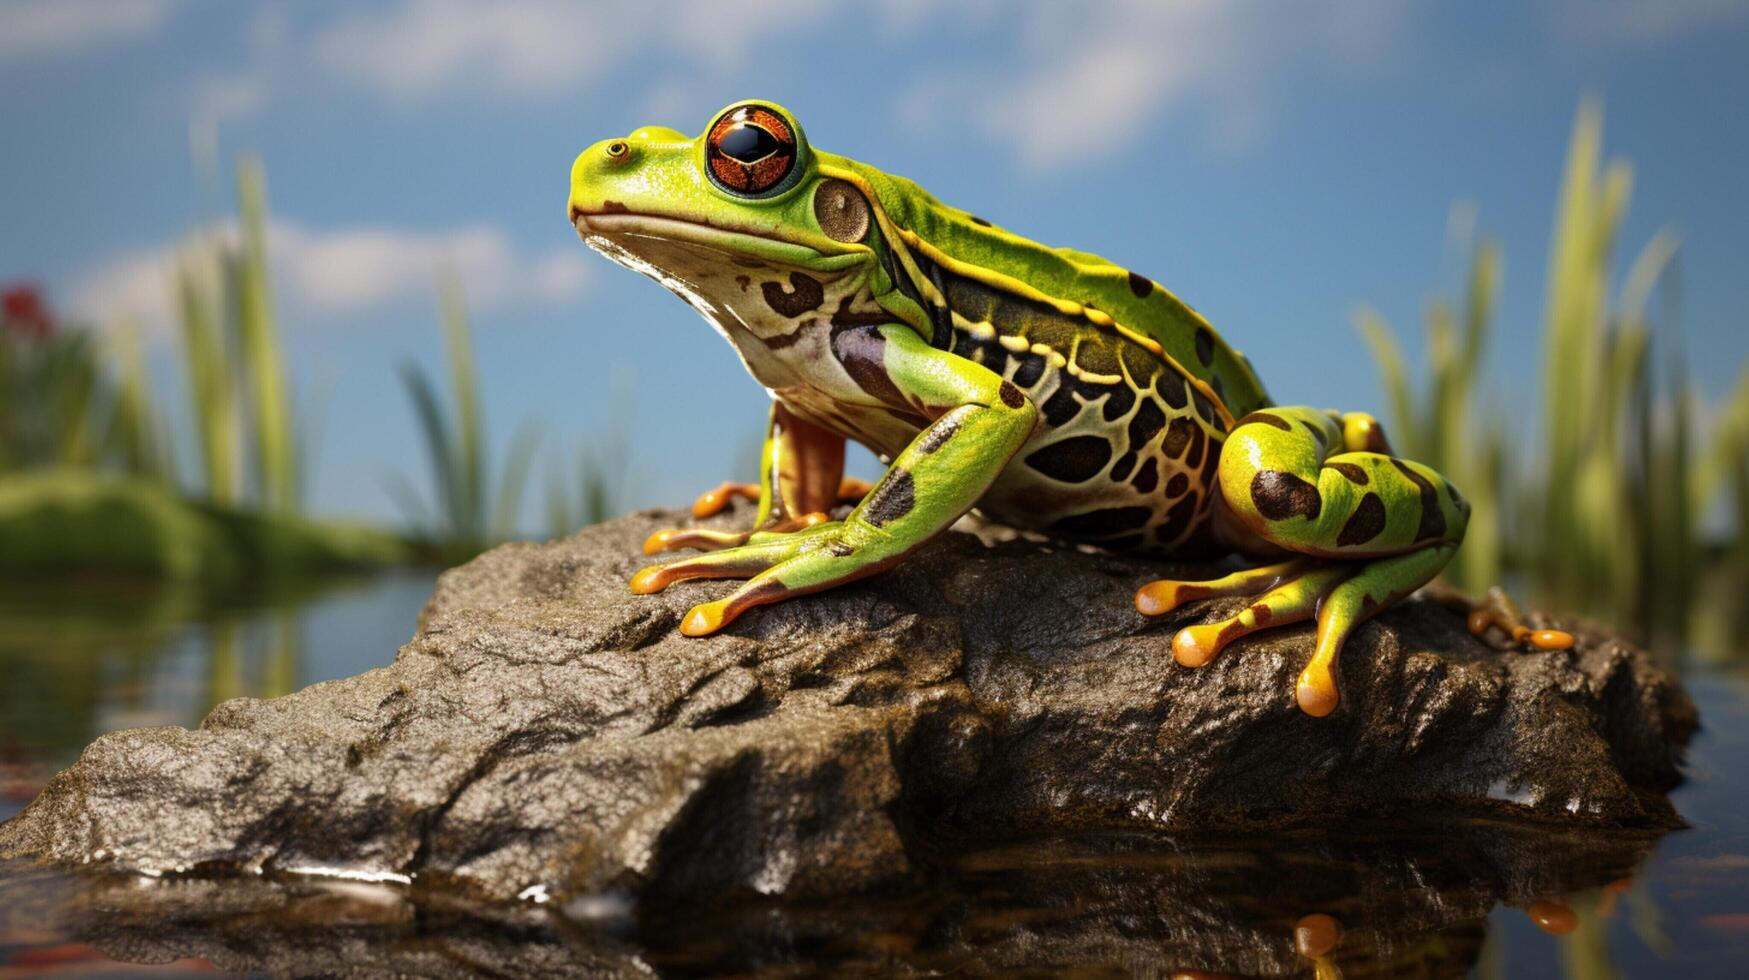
(547, 735)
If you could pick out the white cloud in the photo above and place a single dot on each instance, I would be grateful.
(349, 272)
(1089, 78)
(1642, 21)
(521, 47)
(38, 28)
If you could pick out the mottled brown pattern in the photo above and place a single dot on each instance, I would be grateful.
(1148, 476)
(1265, 418)
(1366, 523)
(1432, 518)
(1205, 346)
(891, 499)
(1354, 474)
(1076, 459)
(805, 294)
(1279, 496)
(862, 351)
(1178, 436)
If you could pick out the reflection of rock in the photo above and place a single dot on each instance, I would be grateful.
(1102, 904)
(548, 733)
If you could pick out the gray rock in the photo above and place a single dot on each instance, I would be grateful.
(548, 735)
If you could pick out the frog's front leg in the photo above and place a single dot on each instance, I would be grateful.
(801, 478)
(980, 421)
(1367, 528)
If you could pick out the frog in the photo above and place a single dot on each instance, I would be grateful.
(1043, 388)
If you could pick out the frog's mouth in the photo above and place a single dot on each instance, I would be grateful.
(625, 228)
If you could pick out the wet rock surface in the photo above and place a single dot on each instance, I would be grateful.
(548, 736)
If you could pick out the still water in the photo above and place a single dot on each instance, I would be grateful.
(1463, 899)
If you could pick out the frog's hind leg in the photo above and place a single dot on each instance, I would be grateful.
(1370, 529)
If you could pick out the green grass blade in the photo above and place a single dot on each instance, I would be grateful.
(470, 466)
(439, 451)
(263, 364)
(507, 508)
(1393, 370)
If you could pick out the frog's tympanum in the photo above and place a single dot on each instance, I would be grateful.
(1048, 388)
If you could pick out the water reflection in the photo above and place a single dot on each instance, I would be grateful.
(1371, 901)
(103, 655)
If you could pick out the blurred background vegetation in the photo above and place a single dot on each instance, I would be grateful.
(94, 476)
(1627, 499)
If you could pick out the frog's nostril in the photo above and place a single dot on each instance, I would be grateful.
(619, 151)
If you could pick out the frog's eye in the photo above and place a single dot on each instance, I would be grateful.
(750, 150)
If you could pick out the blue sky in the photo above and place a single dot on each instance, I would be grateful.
(1275, 163)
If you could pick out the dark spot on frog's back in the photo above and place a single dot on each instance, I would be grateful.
(1076, 459)
(1104, 523)
(804, 294)
(892, 499)
(1171, 387)
(980, 221)
(1031, 369)
(1148, 476)
(1145, 424)
(1010, 395)
(1365, 523)
(1266, 418)
(1205, 346)
(1352, 473)
(1279, 496)
(1432, 517)
(1141, 285)
(1178, 436)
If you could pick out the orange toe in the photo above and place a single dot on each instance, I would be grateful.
(1316, 693)
(1551, 640)
(705, 619)
(1157, 598)
(1194, 646)
(649, 580)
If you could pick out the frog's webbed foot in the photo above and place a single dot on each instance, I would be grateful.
(1340, 595)
(777, 564)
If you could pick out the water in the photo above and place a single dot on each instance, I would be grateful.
(1467, 898)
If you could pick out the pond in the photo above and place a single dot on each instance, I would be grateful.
(1454, 899)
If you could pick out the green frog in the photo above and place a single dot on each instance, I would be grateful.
(1048, 388)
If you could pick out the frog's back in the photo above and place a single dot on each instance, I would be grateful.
(1136, 392)
(1139, 308)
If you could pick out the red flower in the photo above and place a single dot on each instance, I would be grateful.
(25, 312)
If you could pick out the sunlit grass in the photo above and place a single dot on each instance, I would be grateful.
(1604, 508)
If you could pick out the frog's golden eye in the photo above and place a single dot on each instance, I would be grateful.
(750, 150)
